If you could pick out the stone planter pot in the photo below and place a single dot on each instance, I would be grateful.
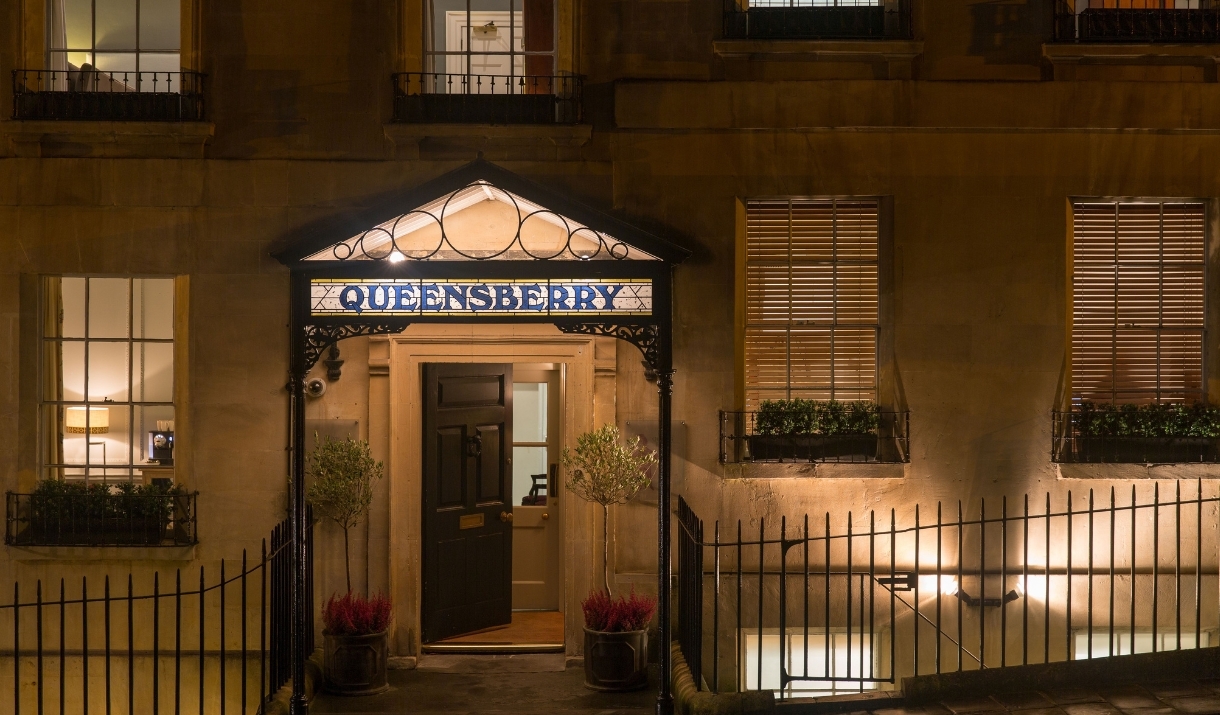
(813, 447)
(616, 662)
(355, 665)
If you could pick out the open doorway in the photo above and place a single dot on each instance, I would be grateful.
(492, 508)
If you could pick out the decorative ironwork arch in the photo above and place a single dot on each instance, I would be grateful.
(356, 285)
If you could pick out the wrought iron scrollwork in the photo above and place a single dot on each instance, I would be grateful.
(645, 337)
(318, 338)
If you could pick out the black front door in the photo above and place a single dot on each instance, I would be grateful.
(467, 487)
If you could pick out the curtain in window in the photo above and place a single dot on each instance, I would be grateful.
(59, 41)
(52, 376)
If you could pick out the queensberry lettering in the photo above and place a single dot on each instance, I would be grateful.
(477, 297)
(352, 298)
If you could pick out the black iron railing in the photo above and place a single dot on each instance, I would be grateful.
(1071, 443)
(817, 19)
(109, 520)
(430, 97)
(108, 96)
(819, 605)
(741, 440)
(221, 644)
(1127, 21)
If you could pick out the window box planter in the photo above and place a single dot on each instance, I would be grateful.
(1145, 450)
(53, 530)
(65, 514)
(813, 447)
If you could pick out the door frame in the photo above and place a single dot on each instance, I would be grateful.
(396, 432)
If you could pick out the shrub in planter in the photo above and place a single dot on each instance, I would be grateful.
(1146, 433)
(355, 643)
(616, 640)
(815, 429)
(124, 513)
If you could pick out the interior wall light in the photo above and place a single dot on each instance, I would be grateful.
(951, 587)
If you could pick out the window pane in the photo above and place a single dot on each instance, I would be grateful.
(107, 372)
(108, 310)
(116, 24)
(72, 293)
(150, 419)
(159, 25)
(152, 372)
(527, 461)
(72, 371)
(160, 62)
(116, 72)
(529, 411)
(78, 21)
(153, 308)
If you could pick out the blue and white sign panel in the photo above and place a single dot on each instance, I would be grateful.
(372, 297)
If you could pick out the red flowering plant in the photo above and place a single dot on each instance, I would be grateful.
(607, 614)
(355, 615)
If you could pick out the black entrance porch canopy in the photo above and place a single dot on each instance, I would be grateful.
(434, 254)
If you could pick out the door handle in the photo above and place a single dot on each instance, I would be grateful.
(506, 517)
(474, 445)
(545, 516)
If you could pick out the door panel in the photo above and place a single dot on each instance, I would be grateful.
(467, 546)
(537, 560)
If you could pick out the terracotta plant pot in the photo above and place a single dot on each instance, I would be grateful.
(616, 662)
(355, 665)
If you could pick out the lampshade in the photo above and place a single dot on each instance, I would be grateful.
(98, 420)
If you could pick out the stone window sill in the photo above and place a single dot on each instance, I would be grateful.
(1113, 470)
(1066, 56)
(897, 57)
(58, 139)
(815, 470)
(102, 553)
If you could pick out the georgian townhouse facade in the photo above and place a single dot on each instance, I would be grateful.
(975, 216)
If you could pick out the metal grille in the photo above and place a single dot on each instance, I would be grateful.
(1136, 21)
(811, 299)
(1138, 301)
(817, 19)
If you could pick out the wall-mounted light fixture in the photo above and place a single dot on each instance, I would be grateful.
(950, 587)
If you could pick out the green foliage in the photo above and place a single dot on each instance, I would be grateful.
(1152, 420)
(342, 475)
(53, 499)
(603, 471)
(824, 417)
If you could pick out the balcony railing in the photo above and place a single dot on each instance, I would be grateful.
(110, 520)
(1198, 23)
(741, 440)
(817, 19)
(108, 96)
(1071, 443)
(430, 97)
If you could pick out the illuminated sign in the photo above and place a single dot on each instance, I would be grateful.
(474, 297)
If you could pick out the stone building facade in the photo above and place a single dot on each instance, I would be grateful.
(972, 127)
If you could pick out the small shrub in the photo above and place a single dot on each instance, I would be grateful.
(610, 615)
(1153, 420)
(821, 417)
(355, 615)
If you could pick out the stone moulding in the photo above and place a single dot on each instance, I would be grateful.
(70, 139)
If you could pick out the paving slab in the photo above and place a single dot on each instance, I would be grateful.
(1196, 705)
(492, 693)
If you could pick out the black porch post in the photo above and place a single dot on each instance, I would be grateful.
(665, 382)
(298, 705)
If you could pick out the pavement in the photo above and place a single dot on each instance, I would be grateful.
(1177, 697)
(498, 691)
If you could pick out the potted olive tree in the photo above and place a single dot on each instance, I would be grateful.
(355, 628)
(605, 471)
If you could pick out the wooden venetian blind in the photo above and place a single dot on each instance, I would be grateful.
(811, 299)
(1137, 301)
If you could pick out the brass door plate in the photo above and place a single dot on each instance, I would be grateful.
(470, 521)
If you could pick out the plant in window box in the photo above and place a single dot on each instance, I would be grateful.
(355, 629)
(815, 430)
(76, 513)
(1162, 432)
(605, 471)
